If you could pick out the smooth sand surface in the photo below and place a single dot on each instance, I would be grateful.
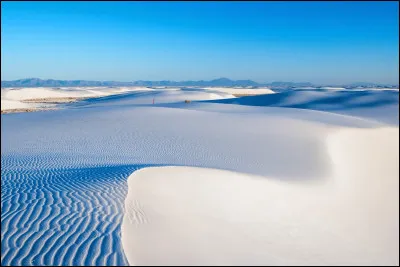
(193, 216)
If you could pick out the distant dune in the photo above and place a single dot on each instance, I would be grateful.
(382, 105)
(241, 91)
(40, 97)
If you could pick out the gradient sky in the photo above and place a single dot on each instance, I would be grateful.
(320, 42)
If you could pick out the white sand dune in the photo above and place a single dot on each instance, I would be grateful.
(14, 104)
(196, 216)
(32, 93)
(380, 105)
(11, 98)
(377, 89)
(241, 91)
(159, 96)
(296, 185)
(333, 88)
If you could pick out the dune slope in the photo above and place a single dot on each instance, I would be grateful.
(380, 105)
(193, 216)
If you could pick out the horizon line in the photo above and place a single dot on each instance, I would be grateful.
(199, 80)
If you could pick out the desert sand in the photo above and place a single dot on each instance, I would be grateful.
(299, 177)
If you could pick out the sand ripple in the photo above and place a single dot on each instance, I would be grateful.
(63, 216)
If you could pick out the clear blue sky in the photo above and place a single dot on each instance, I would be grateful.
(321, 42)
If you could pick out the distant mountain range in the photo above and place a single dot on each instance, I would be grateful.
(36, 82)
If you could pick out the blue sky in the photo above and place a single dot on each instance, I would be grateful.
(320, 42)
